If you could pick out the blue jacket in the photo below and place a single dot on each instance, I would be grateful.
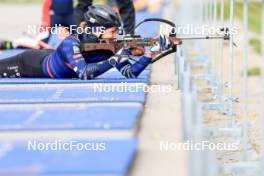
(68, 61)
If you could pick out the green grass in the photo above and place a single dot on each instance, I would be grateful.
(254, 71)
(256, 44)
(254, 18)
(254, 12)
(254, 21)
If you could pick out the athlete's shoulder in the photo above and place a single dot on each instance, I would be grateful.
(71, 45)
(72, 40)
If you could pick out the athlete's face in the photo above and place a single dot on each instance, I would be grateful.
(110, 33)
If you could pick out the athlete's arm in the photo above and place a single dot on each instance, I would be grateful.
(133, 70)
(84, 70)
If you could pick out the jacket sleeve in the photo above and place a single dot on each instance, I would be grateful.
(77, 61)
(133, 70)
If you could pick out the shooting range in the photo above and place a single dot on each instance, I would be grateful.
(196, 110)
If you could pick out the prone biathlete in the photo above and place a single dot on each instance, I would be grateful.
(68, 61)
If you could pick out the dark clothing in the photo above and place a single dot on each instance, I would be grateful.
(80, 9)
(64, 20)
(57, 12)
(62, 7)
(26, 64)
(61, 12)
(127, 12)
(6, 45)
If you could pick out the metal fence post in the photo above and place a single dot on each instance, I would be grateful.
(230, 65)
(245, 81)
(220, 69)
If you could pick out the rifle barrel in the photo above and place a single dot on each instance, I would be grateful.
(201, 38)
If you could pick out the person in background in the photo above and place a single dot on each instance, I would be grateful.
(57, 12)
(38, 41)
(54, 12)
(126, 10)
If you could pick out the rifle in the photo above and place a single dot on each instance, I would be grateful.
(132, 41)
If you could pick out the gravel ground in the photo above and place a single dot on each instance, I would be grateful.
(214, 119)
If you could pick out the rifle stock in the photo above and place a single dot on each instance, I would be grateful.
(87, 47)
(115, 45)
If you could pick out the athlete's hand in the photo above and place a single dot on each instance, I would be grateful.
(151, 54)
(163, 44)
(120, 56)
(137, 51)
